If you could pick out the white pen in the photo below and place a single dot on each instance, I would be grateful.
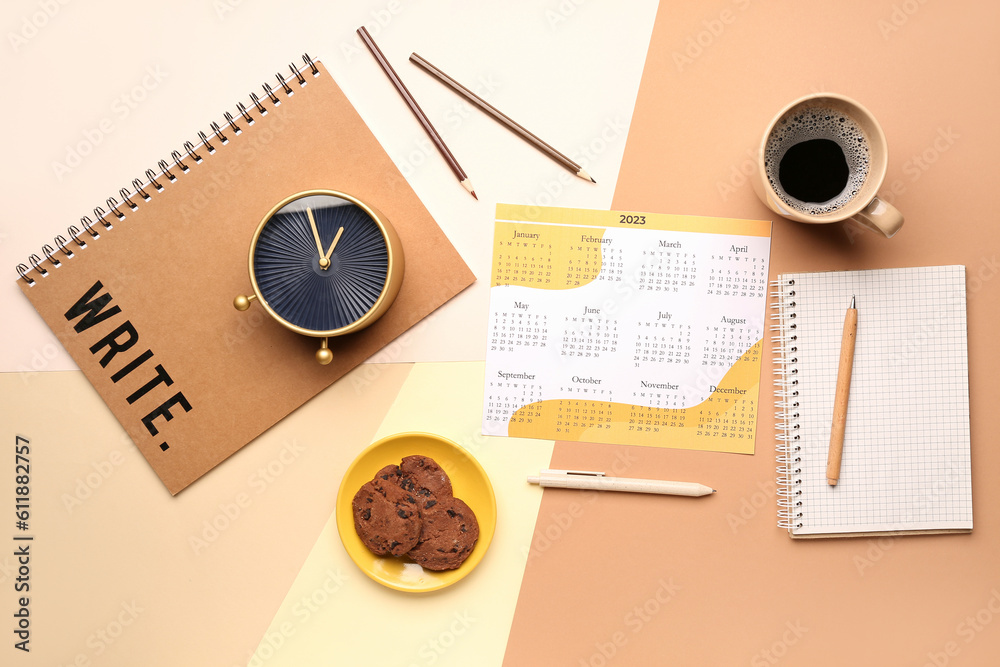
(597, 481)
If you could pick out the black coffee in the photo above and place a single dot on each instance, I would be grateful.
(814, 170)
(816, 159)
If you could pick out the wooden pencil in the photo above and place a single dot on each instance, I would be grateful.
(500, 117)
(417, 111)
(842, 394)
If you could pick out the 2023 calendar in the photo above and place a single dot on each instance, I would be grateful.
(626, 328)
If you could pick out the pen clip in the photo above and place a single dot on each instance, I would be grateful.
(574, 473)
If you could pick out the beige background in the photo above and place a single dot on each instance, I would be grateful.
(158, 73)
(199, 574)
(465, 624)
(704, 582)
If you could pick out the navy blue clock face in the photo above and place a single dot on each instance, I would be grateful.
(320, 262)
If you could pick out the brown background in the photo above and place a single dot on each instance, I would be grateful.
(640, 580)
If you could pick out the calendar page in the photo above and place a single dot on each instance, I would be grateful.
(626, 328)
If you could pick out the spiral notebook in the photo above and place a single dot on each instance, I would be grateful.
(906, 464)
(141, 293)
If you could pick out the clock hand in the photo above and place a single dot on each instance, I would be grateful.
(324, 261)
(333, 245)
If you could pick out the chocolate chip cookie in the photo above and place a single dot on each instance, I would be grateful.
(448, 535)
(385, 520)
(422, 472)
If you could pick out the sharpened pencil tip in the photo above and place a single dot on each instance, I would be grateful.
(585, 176)
(468, 186)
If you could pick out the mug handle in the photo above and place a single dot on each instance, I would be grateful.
(881, 217)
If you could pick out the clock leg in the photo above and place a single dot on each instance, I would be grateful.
(323, 354)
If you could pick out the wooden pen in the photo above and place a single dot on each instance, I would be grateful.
(843, 392)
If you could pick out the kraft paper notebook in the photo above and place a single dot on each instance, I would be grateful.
(906, 464)
(155, 270)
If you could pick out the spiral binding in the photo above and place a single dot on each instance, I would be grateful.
(156, 180)
(784, 344)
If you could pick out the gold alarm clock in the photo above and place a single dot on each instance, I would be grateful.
(324, 264)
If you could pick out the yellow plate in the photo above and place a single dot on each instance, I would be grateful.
(469, 482)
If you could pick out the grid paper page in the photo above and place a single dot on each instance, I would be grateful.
(906, 461)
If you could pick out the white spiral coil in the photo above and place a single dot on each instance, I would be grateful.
(784, 345)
